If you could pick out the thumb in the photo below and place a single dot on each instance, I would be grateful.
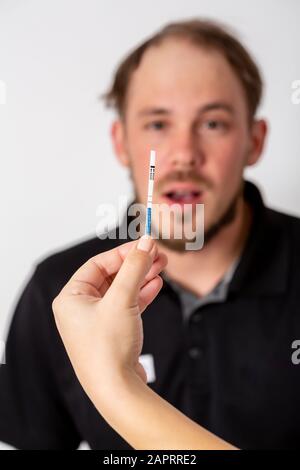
(131, 276)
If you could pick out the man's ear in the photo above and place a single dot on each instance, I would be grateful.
(258, 134)
(117, 133)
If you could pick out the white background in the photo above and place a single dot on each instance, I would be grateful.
(57, 164)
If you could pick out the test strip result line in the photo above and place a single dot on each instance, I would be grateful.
(150, 192)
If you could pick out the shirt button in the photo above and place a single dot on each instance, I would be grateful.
(197, 317)
(195, 352)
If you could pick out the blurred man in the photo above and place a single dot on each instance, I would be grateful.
(218, 337)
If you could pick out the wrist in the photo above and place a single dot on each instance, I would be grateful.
(112, 382)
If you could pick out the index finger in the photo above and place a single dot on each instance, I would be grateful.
(96, 275)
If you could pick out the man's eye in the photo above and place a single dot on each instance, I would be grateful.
(213, 124)
(156, 125)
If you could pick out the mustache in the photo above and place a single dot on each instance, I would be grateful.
(182, 177)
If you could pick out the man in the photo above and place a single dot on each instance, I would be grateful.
(218, 338)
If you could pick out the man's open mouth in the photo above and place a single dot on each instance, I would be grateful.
(183, 196)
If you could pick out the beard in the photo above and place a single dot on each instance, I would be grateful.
(225, 219)
(210, 233)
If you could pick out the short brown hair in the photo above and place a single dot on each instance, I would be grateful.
(204, 33)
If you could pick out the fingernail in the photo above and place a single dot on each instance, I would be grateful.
(145, 243)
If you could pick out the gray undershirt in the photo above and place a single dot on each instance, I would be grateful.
(190, 302)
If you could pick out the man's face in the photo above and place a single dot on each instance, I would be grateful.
(186, 103)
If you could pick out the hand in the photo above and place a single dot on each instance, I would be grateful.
(98, 315)
(98, 312)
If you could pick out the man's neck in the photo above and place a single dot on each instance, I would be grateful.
(199, 271)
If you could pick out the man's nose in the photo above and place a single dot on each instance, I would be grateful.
(186, 151)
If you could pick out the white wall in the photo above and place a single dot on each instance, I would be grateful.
(57, 165)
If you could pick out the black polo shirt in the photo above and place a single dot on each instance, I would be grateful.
(228, 367)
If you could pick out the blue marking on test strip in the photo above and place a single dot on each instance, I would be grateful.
(148, 227)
